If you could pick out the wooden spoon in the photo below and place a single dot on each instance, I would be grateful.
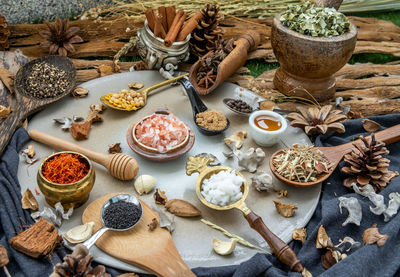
(334, 154)
(27, 104)
(121, 166)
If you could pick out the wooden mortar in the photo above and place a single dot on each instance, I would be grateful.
(246, 43)
(307, 63)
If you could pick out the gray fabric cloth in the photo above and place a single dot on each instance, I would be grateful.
(369, 260)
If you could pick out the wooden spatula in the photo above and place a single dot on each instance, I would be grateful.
(335, 154)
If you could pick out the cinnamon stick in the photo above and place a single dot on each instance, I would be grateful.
(159, 29)
(150, 15)
(162, 17)
(175, 28)
(189, 26)
(170, 12)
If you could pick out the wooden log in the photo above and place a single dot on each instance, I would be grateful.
(367, 69)
(342, 84)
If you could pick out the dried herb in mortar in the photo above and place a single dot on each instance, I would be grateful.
(308, 19)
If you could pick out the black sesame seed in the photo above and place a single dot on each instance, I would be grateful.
(121, 215)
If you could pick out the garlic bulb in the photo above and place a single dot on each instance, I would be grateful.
(224, 247)
(79, 233)
(144, 184)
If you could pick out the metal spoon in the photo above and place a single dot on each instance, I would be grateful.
(121, 197)
(198, 107)
(225, 101)
(144, 92)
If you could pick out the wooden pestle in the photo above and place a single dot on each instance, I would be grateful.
(121, 166)
(244, 44)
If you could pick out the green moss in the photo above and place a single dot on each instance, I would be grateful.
(372, 58)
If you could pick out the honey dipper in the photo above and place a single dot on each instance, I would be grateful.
(121, 166)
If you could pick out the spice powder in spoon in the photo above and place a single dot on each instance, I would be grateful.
(211, 120)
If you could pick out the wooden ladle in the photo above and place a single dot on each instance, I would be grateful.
(334, 154)
(283, 251)
(25, 103)
(121, 166)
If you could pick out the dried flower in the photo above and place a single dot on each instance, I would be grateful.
(114, 148)
(286, 210)
(59, 37)
(315, 121)
(29, 201)
(323, 240)
(159, 197)
(372, 235)
(4, 111)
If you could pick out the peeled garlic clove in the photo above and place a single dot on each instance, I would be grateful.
(224, 247)
(79, 233)
(144, 184)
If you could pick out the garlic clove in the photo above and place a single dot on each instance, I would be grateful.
(79, 233)
(224, 247)
(144, 184)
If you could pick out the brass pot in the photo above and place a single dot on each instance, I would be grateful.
(70, 195)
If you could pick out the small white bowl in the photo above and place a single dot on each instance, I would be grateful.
(263, 137)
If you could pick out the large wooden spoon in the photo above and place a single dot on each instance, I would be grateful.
(119, 165)
(26, 104)
(335, 154)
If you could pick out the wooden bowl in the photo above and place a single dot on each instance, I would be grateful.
(308, 63)
(153, 154)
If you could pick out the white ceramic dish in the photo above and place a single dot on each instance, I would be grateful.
(192, 238)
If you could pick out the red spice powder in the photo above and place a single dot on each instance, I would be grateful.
(65, 168)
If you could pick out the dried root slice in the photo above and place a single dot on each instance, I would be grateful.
(370, 125)
(153, 224)
(182, 208)
(300, 234)
(323, 240)
(79, 233)
(80, 92)
(114, 148)
(224, 247)
(286, 210)
(29, 201)
(236, 139)
(372, 235)
(136, 85)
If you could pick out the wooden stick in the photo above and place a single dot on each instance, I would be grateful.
(150, 15)
(175, 28)
(162, 17)
(189, 26)
(170, 12)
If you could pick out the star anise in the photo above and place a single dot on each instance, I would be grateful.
(60, 36)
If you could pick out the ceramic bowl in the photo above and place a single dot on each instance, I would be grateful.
(263, 137)
(70, 195)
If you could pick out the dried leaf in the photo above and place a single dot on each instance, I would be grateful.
(159, 197)
(135, 85)
(80, 92)
(7, 77)
(262, 181)
(323, 241)
(282, 193)
(372, 235)
(4, 111)
(182, 208)
(286, 210)
(300, 234)
(29, 201)
(153, 224)
(3, 256)
(370, 125)
(237, 139)
(115, 148)
(354, 209)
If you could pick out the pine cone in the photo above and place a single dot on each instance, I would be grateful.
(207, 31)
(59, 37)
(4, 33)
(78, 264)
(367, 166)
